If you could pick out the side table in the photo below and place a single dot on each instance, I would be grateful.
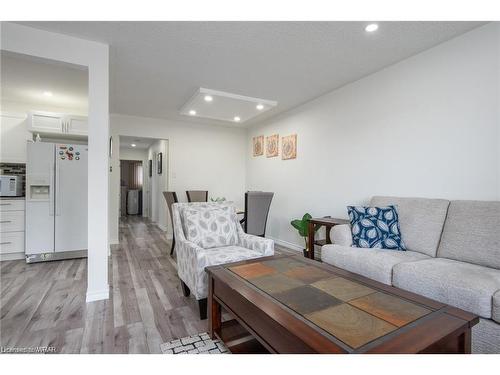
(328, 223)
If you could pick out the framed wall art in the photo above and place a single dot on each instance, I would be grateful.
(159, 162)
(258, 145)
(272, 145)
(289, 147)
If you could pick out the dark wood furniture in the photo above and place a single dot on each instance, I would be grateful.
(328, 223)
(290, 304)
(171, 198)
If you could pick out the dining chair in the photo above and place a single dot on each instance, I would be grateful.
(197, 195)
(171, 198)
(257, 204)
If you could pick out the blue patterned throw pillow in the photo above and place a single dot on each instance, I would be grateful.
(375, 227)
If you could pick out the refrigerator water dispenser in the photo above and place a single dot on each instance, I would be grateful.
(39, 192)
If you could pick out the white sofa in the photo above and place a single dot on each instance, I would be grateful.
(453, 256)
(193, 259)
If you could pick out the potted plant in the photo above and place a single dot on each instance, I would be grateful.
(302, 226)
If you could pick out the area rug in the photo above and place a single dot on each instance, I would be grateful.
(195, 344)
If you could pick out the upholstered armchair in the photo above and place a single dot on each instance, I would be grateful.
(209, 234)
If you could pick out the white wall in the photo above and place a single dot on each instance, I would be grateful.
(158, 184)
(34, 42)
(133, 153)
(427, 126)
(200, 156)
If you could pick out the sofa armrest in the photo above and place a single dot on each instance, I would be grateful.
(341, 235)
(264, 245)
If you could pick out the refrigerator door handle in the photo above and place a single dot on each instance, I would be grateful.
(51, 189)
(58, 191)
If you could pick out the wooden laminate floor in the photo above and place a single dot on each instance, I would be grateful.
(43, 304)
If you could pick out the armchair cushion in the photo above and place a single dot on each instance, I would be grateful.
(209, 228)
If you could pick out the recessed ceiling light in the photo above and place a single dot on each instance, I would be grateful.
(260, 107)
(371, 28)
(48, 93)
(208, 98)
(237, 119)
(133, 145)
(192, 112)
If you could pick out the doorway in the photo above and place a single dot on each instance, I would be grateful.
(131, 187)
(145, 158)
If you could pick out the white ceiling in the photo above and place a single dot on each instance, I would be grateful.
(140, 142)
(156, 66)
(26, 78)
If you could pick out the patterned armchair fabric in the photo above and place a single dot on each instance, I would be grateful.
(192, 259)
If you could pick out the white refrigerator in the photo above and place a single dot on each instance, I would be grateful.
(56, 201)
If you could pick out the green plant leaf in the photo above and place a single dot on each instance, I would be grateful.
(306, 217)
(297, 224)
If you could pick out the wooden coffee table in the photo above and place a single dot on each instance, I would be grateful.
(290, 304)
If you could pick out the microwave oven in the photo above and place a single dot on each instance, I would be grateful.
(11, 186)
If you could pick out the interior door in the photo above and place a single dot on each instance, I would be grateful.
(71, 197)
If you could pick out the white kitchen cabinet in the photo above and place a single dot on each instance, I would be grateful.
(46, 122)
(77, 125)
(13, 137)
(12, 228)
(61, 125)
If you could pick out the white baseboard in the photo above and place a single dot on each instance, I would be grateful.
(97, 295)
(114, 241)
(12, 256)
(287, 244)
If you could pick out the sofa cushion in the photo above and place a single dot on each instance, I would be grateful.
(495, 313)
(463, 285)
(210, 228)
(421, 221)
(375, 227)
(472, 233)
(375, 264)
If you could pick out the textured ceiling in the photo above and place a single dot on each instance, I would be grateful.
(156, 66)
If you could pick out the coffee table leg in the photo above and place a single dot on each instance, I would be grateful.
(214, 311)
(466, 342)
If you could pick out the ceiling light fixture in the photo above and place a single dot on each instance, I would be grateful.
(192, 112)
(237, 119)
(133, 145)
(371, 28)
(208, 98)
(48, 93)
(260, 107)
